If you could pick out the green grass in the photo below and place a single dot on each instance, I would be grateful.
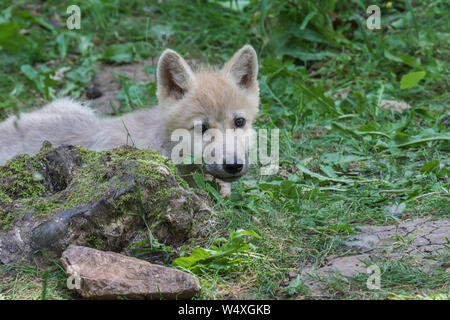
(32, 283)
(343, 158)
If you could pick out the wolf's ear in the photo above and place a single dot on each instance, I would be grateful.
(243, 68)
(174, 76)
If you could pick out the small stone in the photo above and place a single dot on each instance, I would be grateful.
(255, 219)
(92, 92)
(225, 188)
(292, 274)
(398, 106)
(109, 275)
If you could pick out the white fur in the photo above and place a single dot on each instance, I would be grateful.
(65, 121)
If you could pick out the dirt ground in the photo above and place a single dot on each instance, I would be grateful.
(420, 242)
(106, 85)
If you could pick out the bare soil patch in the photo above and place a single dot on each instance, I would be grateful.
(103, 90)
(420, 242)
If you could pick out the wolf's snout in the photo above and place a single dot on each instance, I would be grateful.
(233, 168)
(230, 170)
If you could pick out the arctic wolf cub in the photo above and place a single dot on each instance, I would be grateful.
(220, 99)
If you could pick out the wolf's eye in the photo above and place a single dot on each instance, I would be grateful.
(204, 128)
(239, 122)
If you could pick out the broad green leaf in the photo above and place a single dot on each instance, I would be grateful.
(217, 257)
(411, 79)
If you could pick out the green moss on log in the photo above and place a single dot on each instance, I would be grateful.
(24, 185)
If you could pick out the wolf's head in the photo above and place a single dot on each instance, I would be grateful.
(216, 105)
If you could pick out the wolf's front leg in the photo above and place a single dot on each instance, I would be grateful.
(225, 188)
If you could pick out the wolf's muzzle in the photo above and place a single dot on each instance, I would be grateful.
(233, 168)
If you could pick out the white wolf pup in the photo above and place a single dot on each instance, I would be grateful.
(217, 99)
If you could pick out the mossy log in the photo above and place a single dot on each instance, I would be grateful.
(107, 200)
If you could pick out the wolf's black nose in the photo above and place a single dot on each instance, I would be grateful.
(233, 168)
